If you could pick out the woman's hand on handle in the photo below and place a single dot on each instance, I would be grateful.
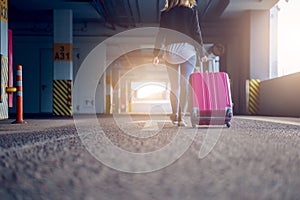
(156, 60)
(204, 59)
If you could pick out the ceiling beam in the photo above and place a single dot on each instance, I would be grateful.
(138, 11)
(131, 17)
(98, 4)
(214, 9)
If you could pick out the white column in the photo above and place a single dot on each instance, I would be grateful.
(63, 39)
(259, 44)
(63, 65)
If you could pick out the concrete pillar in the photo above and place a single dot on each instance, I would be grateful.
(109, 92)
(100, 95)
(259, 44)
(4, 59)
(116, 91)
(259, 62)
(124, 102)
(129, 96)
(63, 65)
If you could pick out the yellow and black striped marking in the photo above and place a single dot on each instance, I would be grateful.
(4, 83)
(62, 98)
(253, 106)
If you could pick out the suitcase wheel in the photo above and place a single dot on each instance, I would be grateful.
(195, 117)
(228, 124)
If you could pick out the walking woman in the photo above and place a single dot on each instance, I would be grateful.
(181, 51)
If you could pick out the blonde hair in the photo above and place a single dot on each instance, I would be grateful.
(172, 3)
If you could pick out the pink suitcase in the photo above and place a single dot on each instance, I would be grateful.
(211, 99)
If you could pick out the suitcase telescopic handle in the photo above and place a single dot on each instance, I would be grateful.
(210, 66)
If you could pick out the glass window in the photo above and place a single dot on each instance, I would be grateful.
(288, 36)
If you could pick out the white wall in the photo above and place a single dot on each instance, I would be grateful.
(26, 52)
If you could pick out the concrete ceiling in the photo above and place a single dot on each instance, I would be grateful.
(124, 12)
(237, 6)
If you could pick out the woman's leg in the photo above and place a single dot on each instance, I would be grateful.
(173, 73)
(186, 69)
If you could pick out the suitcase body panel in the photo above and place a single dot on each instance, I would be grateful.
(210, 98)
